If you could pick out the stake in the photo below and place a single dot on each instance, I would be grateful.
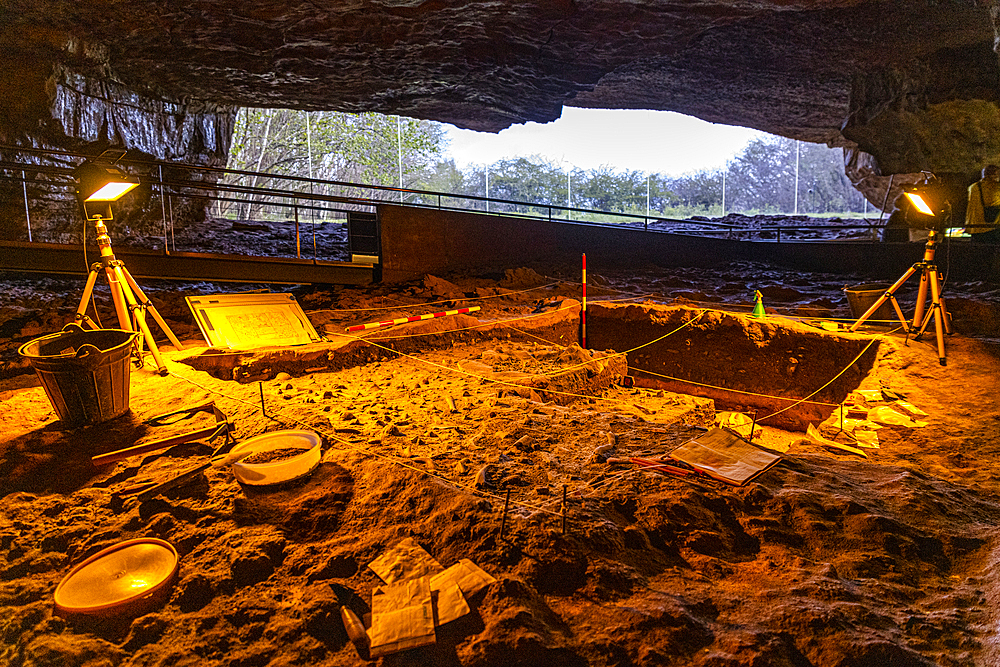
(564, 510)
(583, 311)
(753, 425)
(263, 410)
(503, 522)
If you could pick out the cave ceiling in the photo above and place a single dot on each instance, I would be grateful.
(911, 85)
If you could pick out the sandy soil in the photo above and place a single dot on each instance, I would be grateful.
(828, 558)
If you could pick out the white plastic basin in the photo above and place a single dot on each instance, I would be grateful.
(284, 470)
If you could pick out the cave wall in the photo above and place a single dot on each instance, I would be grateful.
(902, 85)
(75, 113)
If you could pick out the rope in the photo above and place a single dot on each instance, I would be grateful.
(590, 487)
(366, 450)
(832, 380)
(739, 391)
(430, 303)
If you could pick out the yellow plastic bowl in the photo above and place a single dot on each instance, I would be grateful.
(123, 578)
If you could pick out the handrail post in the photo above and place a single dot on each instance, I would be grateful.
(298, 240)
(163, 210)
(27, 212)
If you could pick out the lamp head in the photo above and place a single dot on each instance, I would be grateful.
(929, 205)
(99, 184)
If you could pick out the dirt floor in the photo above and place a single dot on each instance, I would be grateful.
(876, 556)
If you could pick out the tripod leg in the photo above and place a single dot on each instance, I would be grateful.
(140, 318)
(939, 315)
(890, 293)
(88, 291)
(121, 307)
(148, 305)
(945, 314)
(918, 314)
(899, 314)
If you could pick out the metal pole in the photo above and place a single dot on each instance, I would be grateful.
(298, 239)
(487, 188)
(796, 177)
(27, 213)
(163, 208)
(645, 222)
(724, 190)
(170, 205)
(309, 156)
(569, 194)
(399, 152)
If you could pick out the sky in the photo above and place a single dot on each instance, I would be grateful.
(661, 142)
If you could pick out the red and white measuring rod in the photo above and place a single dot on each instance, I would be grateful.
(415, 318)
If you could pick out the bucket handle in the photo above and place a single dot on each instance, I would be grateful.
(73, 327)
(86, 350)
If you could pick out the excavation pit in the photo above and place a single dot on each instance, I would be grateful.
(763, 365)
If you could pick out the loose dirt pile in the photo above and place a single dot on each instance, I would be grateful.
(826, 559)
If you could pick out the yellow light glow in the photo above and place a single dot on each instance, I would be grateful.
(140, 583)
(919, 203)
(111, 192)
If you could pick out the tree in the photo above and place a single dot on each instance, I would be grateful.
(355, 148)
(763, 178)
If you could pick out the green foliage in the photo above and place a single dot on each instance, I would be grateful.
(761, 179)
(355, 148)
(365, 149)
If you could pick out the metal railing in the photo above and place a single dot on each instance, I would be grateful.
(284, 198)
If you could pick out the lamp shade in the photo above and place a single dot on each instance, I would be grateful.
(929, 206)
(919, 203)
(98, 184)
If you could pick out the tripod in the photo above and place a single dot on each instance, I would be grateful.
(124, 293)
(928, 279)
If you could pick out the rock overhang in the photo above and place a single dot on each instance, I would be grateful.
(912, 84)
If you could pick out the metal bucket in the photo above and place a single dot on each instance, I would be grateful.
(84, 373)
(863, 297)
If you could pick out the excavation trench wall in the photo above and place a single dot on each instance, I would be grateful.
(743, 363)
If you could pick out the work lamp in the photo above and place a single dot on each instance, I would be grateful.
(99, 184)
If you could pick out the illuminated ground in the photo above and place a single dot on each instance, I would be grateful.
(826, 559)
